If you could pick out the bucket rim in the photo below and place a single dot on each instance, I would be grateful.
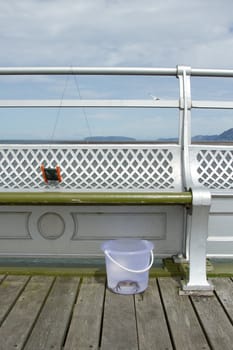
(149, 248)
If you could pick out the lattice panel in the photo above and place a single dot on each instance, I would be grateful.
(215, 168)
(89, 168)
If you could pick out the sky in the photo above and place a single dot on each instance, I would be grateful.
(149, 33)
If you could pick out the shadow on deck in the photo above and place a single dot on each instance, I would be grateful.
(69, 312)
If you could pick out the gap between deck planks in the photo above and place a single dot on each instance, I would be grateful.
(85, 326)
(213, 317)
(44, 312)
(17, 325)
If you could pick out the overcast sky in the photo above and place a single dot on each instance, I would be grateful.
(153, 33)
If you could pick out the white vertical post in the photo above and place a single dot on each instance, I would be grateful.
(197, 220)
(183, 74)
(185, 104)
(197, 282)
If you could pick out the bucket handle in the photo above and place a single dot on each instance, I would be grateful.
(126, 268)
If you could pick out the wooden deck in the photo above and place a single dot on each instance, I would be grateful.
(46, 312)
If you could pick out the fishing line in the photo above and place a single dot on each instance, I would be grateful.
(83, 109)
(59, 110)
(52, 174)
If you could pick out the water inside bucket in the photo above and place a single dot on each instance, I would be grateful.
(124, 254)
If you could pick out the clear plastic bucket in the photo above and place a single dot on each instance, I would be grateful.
(127, 263)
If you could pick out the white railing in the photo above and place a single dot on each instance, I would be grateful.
(185, 160)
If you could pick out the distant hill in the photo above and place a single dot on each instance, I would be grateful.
(225, 136)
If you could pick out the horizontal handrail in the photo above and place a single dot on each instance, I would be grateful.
(115, 71)
(86, 71)
(112, 103)
(82, 198)
(211, 72)
(89, 103)
(212, 104)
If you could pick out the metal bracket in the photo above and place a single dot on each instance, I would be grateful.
(197, 282)
(183, 74)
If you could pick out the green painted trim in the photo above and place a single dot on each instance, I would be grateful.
(214, 268)
(70, 271)
(53, 271)
(81, 198)
(167, 269)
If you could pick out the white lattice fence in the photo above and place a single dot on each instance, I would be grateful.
(213, 167)
(91, 168)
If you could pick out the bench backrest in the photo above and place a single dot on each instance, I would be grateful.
(212, 166)
(92, 167)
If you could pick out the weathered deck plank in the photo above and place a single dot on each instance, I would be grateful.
(85, 327)
(17, 326)
(51, 326)
(40, 312)
(10, 289)
(119, 323)
(185, 329)
(1, 277)
(217, 326)
(151, 322)
(224, 291)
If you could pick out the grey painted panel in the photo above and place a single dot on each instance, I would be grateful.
(51, 223)
(105, 225)
(220, 235)
(221, 225)
(14, 225)
(222, 204)
(79, 231)
(220, 249)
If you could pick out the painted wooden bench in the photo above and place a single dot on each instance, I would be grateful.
(115, 175)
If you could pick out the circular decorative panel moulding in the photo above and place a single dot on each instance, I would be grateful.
(51, 225)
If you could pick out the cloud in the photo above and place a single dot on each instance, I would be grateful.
(98, 32)
(153, 33)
